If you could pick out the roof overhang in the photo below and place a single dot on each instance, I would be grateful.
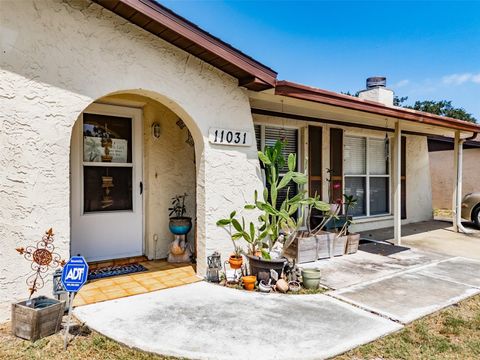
(185, 35)
(302, 92)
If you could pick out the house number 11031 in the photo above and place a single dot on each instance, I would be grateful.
(230, 137)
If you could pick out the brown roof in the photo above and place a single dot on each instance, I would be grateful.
(182, 33)
(303, 92)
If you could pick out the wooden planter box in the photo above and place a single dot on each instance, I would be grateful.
(42, 319)
(339, 245)
(352, 243)
(311, 248)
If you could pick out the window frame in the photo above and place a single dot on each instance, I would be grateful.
(367, 174)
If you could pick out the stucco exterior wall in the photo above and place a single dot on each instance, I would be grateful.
(59, 57)
(443, 175)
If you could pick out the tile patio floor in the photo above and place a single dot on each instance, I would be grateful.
(160, 275)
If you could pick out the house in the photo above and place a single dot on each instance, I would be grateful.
(441, 153)
(111, 108)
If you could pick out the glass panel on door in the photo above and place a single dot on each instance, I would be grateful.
(107, 163)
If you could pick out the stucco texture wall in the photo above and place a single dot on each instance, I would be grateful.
(443, 176)
(59, 57)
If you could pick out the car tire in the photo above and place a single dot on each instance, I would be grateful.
(476, 216)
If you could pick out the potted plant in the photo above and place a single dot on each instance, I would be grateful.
(236, 259)
(179, 224)
(37, 317)
(278, 224)
(353, 239)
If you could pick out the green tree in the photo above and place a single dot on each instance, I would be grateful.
(442, 108)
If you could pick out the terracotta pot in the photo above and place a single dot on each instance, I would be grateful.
(249, 282)
(235, 261)
(281, 286)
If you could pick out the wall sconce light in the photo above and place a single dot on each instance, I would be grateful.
(156, 130)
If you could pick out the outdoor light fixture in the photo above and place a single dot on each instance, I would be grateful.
(214, 266)
(156, 130)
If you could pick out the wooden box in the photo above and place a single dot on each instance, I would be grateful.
(310, 248)
(34, 322)
(352, 243)
(339, 245)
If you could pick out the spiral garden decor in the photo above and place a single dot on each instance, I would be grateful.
(42, 257)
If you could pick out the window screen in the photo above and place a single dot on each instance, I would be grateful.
(354, 156)
(378, 157)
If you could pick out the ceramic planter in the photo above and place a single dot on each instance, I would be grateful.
(235, 261)
(264, 287)
(41, 319)
(352, 243)
(261, 267)
(281, 286)
(180, 225)
(311, 278)
(294, 286)
(249, 282)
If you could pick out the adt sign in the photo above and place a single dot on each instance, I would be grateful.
(74, 273)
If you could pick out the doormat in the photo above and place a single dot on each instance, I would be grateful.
(381, 248)
(115, 271)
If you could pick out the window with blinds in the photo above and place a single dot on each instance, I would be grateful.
(267, 136)
(366, 169)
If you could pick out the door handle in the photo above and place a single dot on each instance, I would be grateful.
(141, 188)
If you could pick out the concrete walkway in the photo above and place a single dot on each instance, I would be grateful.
(412, 294)
(435, 237)
(206, 321)
(373, 296)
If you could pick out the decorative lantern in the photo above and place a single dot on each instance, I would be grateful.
(214, 266)
(57, 284)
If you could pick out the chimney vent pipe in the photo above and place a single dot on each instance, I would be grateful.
(376, 81)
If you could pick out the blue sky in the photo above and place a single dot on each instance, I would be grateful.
(427, 50)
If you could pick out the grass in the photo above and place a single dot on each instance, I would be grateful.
(86, 344)
(453, 333)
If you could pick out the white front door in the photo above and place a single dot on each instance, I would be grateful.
(106, 183)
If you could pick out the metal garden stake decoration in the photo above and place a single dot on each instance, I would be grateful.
(43, 257)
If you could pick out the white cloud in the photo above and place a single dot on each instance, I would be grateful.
(401, 83)
(459, 79)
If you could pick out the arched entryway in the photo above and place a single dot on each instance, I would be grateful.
(130, 154)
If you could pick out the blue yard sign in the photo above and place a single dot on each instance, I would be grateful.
(74, 274)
